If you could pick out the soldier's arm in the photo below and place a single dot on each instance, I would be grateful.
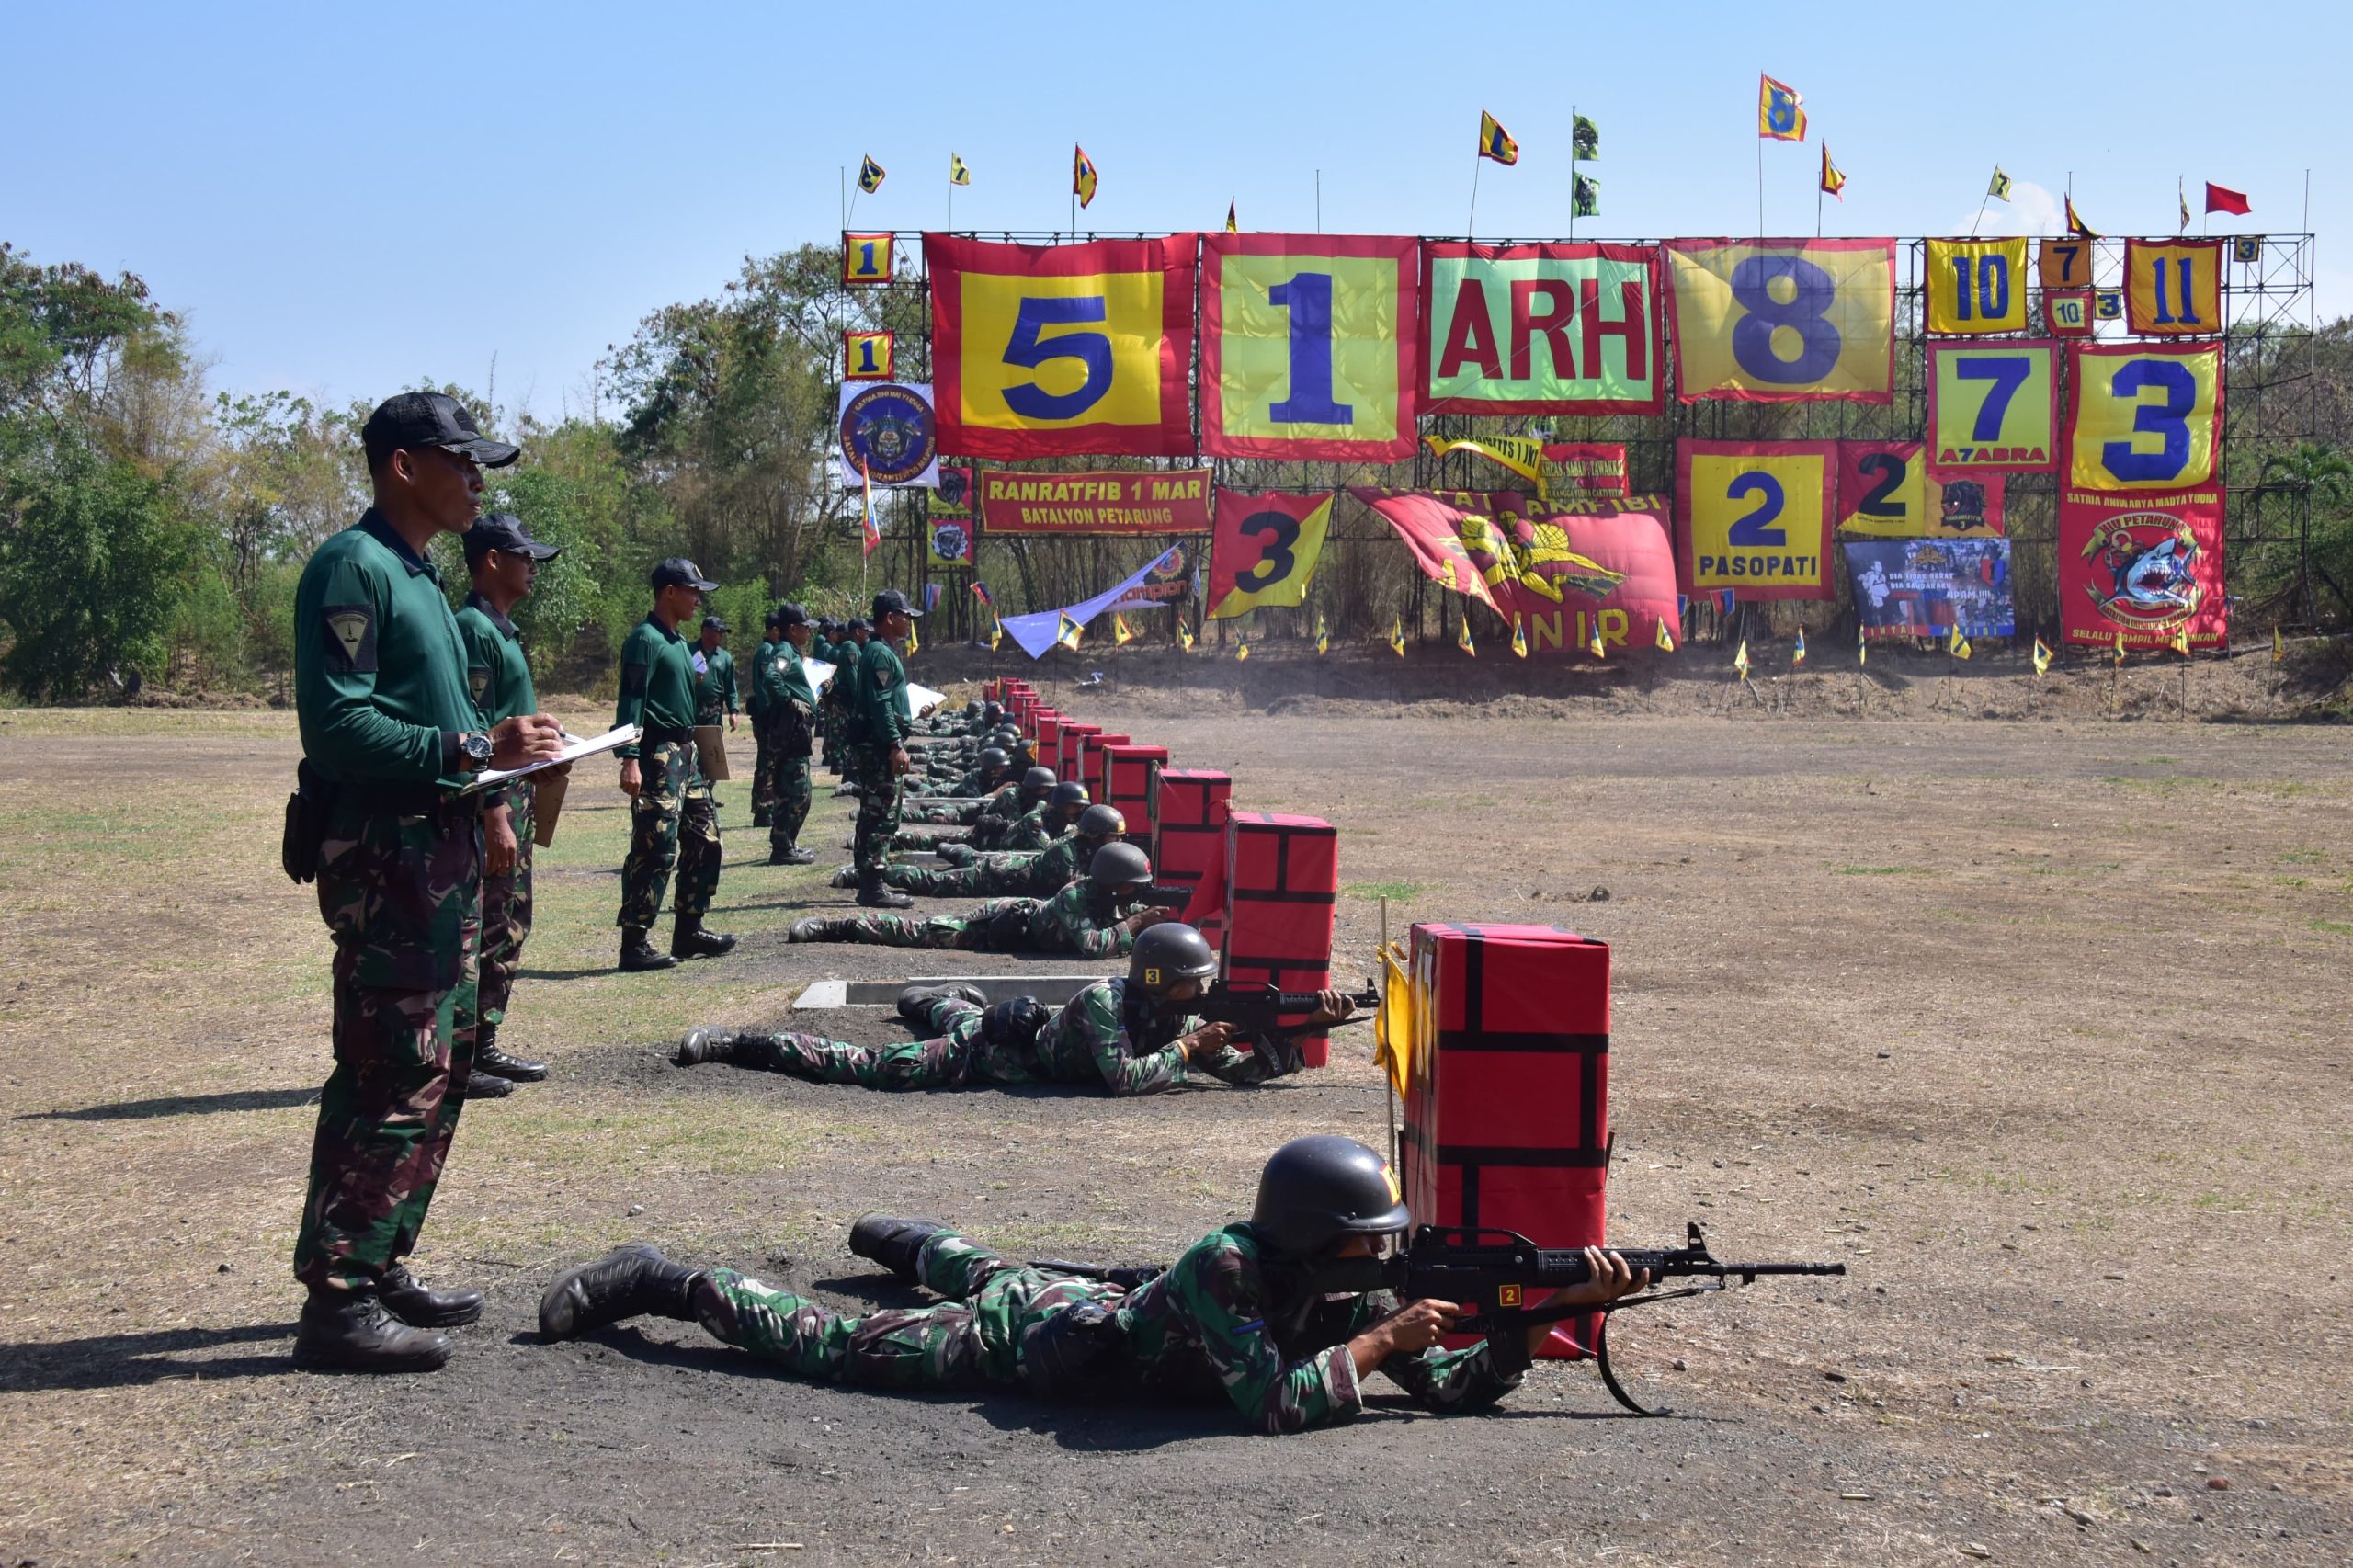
(1105, 1034)
(483, 659)
(1216, 1291)
(636, 667)
(1441, 1380)
(335, 688)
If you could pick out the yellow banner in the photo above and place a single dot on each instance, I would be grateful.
(1773, 321)
(1992, 405)
(2173, 287)
(1756, 516)
(1308, 347)
(1976, 286)
(2143, 416)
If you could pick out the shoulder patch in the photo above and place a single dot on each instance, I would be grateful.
(882, 676)
(633, 679)
(478, 680)
(350, 637)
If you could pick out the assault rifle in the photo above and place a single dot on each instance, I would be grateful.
(1256, 1011)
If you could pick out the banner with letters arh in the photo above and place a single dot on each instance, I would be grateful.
(1544, 329)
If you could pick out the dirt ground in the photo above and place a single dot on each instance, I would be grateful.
(2034, 1020)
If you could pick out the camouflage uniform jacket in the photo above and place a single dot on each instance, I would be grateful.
(1089, 1040)
(1033, 830)
(1073, 921)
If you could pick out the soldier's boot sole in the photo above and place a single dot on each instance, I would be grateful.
(891, 1240)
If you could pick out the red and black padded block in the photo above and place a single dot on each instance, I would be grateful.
(1124, 780)
(1045, 734)
(1065, 763)
(1090, 760)
(1507, 1111)
(1282, 880)
(1187, 808)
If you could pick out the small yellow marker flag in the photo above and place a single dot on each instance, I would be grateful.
(915, 642)
(1463, 635)
(1397, 636)
(1242, 645)
(1183, 633)
(1593, 641)
(2181, 643)
(1740, 659)
(1661, 638)
(1068, 633)
(1322, 637)
(2119, 644)
(1518, 638)
(2042, 657)
(1797, 654)
(1122, 632)
(997, 634)
(1961, 649)
(2278, 648)
(1862, 648)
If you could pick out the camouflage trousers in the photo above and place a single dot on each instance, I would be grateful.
(402, 897)
(789, 808)
(973, 1340)
(878, 804)
(1010, 876)
(765, 754)
(977, 928)
(674, 823)
(956, 1054)
(923, 810)
(505, 913)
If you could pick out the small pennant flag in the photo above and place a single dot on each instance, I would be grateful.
(1242, 643)
(997, 634)
(2075, 225)
(1584, 140)
(1323, 636)
(1067, 634)
(915, 642)
(1518, 638)
(1397, 636)
(1184, 635)
(1662, 638)
(1999, 188)
(2278, 648)
(1082, 175)
(2042, 657)
(1593, 641)
(1232, 223)
(2181, 643)
(1780, 111)
(1494, 142)
(1122, 632)
(1833, 182)
(957, 172)
(868, 524)
(1797, 654)
(1740, 659)
(1862, 647)
(1961, 649)
(2119, 644)
(2222, 199)
(869, 175)
(2181, 195)
(1584, 195)
(1462, 637)
(980, 592)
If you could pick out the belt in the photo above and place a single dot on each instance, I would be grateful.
(655, 736)
(405, 799)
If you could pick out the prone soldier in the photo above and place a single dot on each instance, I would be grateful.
(1030, 874)
(1009, 802)
(1096, 917)
(669, 802)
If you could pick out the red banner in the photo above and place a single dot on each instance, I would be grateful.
(1148, 501)
(2144, 566)
(1266, 549)
(1061, 350)
(1593, 467)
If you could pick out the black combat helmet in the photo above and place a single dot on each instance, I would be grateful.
(1317, 1190)
(1100, 822)
(1118, 866)
(972, 711)
(1165, 954)
(994, 760)
(1036, 783)
(992, 712)
(1068, 793)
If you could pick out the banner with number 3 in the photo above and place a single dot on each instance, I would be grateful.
(1778, 321)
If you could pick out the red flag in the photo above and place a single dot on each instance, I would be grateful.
(2222, 199)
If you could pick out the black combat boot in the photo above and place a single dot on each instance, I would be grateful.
(624, 1283)
(874, 894)
(891, 1241)
(690, 940)
(488, 1058)
(637, 953)
(791, 855)
(351, 1330)
(481, 1086)
(914, 1002)
(845, 878)
(408, 1300)
(815, 928)
(706, 1045)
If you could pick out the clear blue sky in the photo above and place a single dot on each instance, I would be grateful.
(341, 205)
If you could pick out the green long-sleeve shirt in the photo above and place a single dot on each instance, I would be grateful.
(754, 703)
(879, 715)
(782, 677)
(380, 669)
(714, 684)
(657, 680)
(497, 672)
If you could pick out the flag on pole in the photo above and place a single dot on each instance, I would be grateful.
(869, 175)
(1661, 639)
(1780, 111)
(2075, 225)
(2278, 648)
(1584, 140)
(1833, 182)
(1462, 634)
(1862, 647)
(2042, 657)
(1397, 636)
(1067, 633)
(930, 597)
(957, 172)
(2181, 643)
(1999, 186)
(1242, 643)
(1323, 636)
(996, 633)
(1082, 175)
(980, 592)
(1183, 633)
(868, 524)
(1592, 640)
(1797, 654)
(915, 642)
(1232, 225)
(1518, 638)
(2181, 196)
(1584, 195)
(1961, 649)
(2222, 199)
(1740, 659)
(1122, 632)
(1494, 142)
(2119, 644)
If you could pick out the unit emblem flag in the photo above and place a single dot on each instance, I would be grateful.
(2142, 571)
(887, 434)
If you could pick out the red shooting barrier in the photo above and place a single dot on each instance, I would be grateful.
(1187, 808)
(1282, 879)
(1046, 735)
(1123, 779)
(1089, 761)
(1507, 1111)
(1065, 763)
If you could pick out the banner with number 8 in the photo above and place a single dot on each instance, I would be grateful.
(1310, 346)
(1778, 321)
(2142, 415)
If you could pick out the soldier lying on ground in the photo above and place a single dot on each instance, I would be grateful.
(1094, 917)
(1239, 1313)
(1078, 829)
(1008, 804)
(1129, 1034)
(1034, 829)
(983, 777)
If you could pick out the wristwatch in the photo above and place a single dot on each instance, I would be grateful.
(475, 749)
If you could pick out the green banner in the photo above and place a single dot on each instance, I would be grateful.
(1543, 329)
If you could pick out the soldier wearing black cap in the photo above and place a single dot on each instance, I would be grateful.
(669, 800)
(390, 735)
(762, 741)
(880, 721)
(846, 654)
(503, 561)
(788, 709)
(714, 675)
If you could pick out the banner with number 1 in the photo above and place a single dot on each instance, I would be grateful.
(1309, 346)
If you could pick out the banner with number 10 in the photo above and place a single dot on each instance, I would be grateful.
(1309, 346)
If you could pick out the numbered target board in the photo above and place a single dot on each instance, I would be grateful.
(1264, 549)
(866, 258)
(1059, 350)
(1976, 286)
(1994, 406)
(1755, 517)
(866, 356)
(1882, 491)
(2142, 415)
(2174, 288)
(1543, 329)
(1776, 321)
(1309, 346)
(2065, 262)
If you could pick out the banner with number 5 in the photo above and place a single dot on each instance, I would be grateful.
(1310, 346)
(1780, 321)
(1755, 517)
(2142, 415)
(1063, 351)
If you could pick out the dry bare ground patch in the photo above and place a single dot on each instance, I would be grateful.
(2036, 1022)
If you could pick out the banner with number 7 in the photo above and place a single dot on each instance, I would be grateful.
(1993, 407)
(1310, 346)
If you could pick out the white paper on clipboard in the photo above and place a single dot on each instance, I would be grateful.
(575, 748)
(921, 700)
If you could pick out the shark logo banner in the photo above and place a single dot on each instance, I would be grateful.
(2141, 566)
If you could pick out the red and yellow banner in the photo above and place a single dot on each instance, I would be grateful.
(2064, 261)
(1543, 329)
(1755, 517)
(1264, 549)
(2145, 566)
(1150, 501)
(866, 356)
(1994, 406)
(2142, 415)
(1056, 350)
(866, 257)
(2174, 288)
(1882, 489)
(1777, 321)
(1309, 346)
(1975, 287)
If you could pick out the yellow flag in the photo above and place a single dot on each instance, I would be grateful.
(1661, 638)
(997, 634)
(2041, 657)
(1393, 1026)
(1463, 635)
(2181, 643)
(915, 642)
(1323, 636)
(1797, 654)
(1242, 646)
(1122, 632)
(2119, 644)
(2278, 648)
(1519, 637)
(1592, 640)
(1183, 633)
(1740, 659)
(1960, 644)
(1068, 633)
(1862, 648)
(1397, 636)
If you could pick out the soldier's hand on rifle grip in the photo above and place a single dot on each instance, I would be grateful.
(1332, 1006)
(1207, 1041)
(1414, 1326)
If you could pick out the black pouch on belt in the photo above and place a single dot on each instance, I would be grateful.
(306, 823)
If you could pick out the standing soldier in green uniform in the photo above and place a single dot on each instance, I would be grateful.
(668, 799)
(390, 734)
(763, 734)
(714, 679)
(879, 717)
(782, 681)
(503, 561)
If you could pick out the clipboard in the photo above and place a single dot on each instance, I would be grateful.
(575, 748)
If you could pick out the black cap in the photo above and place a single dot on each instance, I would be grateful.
(713, 623)
(504, 531)
(771, 620)
(858, 623)
(789, 614)
(680, 573)
(889, 601)
(429, 419)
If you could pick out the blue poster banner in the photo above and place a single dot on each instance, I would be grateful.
(1925, 588)
(1040, 630)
